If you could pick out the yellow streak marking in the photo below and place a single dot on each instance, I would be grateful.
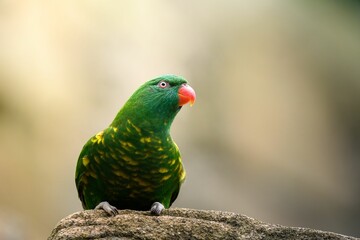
(160, 149)
(172, 162)
(114, 166)
(115, 129)
(163, 170)
(129, 160)
(148, 189)
(141, 182)
(177, 167)
(99, 138)
(145, 139)
(93, 175)
(166, 177)
(126, 144)
(84, 180)
(121, 174)
(97, 159)
(85, 161)
(182, 175)
(112, 182)
(118, 150)
(135, 127)
(113, 155)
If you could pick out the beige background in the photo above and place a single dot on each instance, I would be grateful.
(275, 131)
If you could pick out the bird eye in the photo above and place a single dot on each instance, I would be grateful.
(163, 84)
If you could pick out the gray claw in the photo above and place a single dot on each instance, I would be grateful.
(157, 208)
(111, 210)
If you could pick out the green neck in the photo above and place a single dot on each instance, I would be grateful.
(150, 119)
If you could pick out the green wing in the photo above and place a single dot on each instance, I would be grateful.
(87, 172)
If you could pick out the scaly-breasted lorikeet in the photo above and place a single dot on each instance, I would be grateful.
(134, 163)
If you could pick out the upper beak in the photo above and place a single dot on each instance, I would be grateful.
(186, 94)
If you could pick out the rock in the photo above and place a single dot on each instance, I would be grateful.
(177, 224)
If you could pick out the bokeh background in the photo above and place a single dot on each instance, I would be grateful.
(275, 131)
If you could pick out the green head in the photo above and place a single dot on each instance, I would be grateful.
(155, 104)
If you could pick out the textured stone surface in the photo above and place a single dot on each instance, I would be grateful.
(177, 224)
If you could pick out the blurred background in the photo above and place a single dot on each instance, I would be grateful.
(275, 131)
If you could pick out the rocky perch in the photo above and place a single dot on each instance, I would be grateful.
(177, 224)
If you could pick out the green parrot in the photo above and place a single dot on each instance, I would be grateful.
(134, 163)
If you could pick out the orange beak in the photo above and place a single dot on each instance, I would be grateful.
(186, 94)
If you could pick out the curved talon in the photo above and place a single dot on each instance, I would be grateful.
(111, 210)
(156, 208)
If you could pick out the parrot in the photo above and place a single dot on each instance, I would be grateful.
(134, 162)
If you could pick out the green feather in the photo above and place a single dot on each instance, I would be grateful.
(134, 162)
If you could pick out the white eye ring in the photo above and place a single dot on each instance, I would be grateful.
(163, 84)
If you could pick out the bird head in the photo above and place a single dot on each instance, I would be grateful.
(155, 104)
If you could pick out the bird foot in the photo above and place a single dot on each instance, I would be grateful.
(156, 208)
(111, 210)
